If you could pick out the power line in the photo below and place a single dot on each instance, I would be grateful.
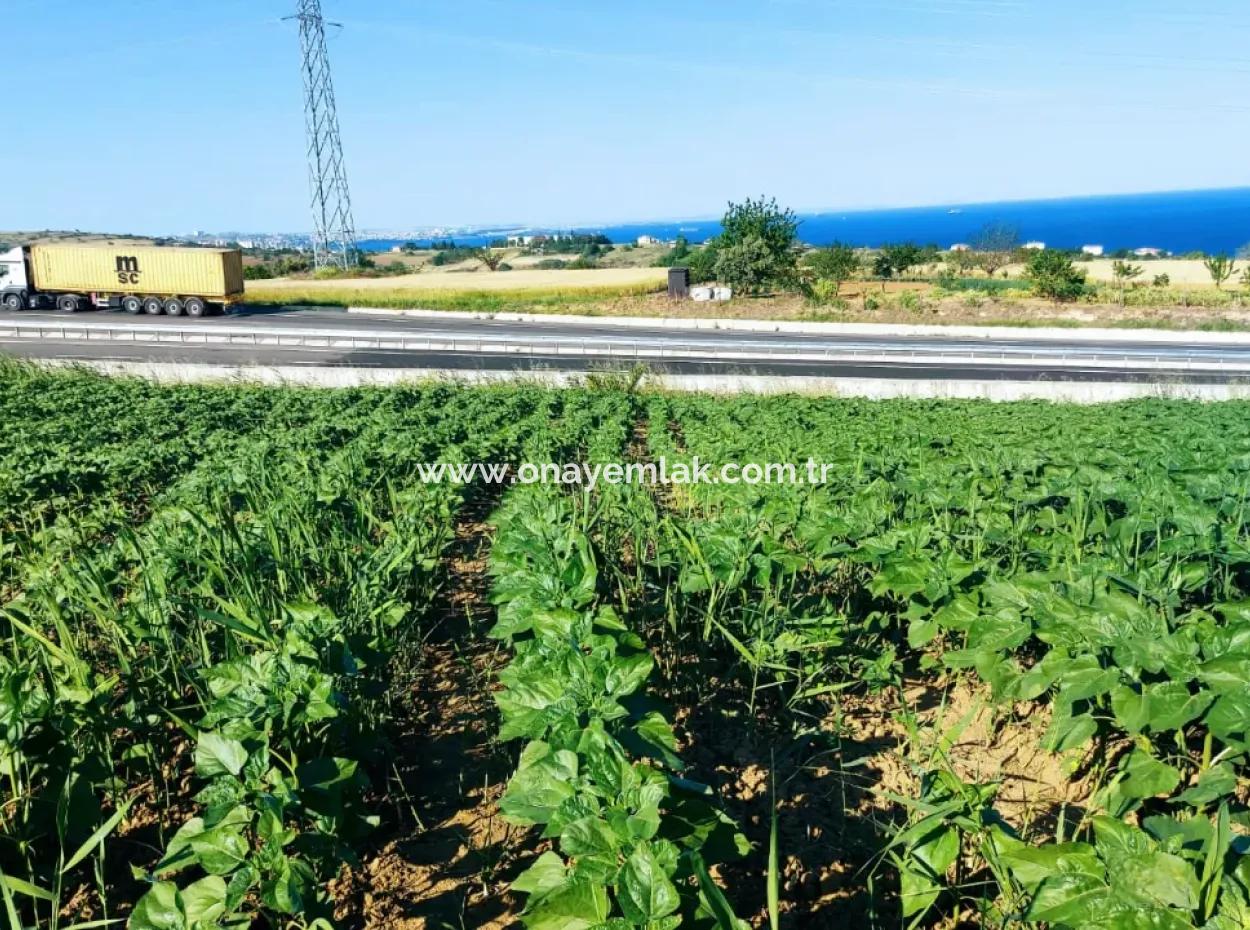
(334, 232)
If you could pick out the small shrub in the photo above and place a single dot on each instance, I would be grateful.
(614, 381)
(989, 286)
(824, 292)
(278, 268)
(1162, 280)
(910, 301)
(1055, 277)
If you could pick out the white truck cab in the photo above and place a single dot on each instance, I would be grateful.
(15, 289)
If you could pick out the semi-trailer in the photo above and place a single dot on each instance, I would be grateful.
(137, 279)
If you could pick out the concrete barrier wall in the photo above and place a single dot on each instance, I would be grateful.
(872, 388)
(989, 333)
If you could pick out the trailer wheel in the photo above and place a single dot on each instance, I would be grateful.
(153, 306)
(195, 306)
(132, 304)
(14, 302)
(68, 303)
(173, 307)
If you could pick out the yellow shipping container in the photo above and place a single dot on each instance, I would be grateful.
(214, 274)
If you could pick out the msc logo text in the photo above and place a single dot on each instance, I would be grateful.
(127, 269)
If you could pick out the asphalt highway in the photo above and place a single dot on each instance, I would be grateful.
(329, 338)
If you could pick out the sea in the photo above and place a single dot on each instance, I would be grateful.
(1209, 221)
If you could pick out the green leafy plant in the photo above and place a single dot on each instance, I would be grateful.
(634, 838)
(1054, 276)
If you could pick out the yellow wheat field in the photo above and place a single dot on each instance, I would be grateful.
(631, 279)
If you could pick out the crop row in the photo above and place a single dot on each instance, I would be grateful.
(634, 838)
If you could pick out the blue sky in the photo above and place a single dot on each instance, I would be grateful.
(159, 116)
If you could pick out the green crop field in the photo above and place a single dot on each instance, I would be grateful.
(994, 672)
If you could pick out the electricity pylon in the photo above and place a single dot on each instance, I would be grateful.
(334, 233)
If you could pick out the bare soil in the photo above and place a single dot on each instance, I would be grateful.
(835, 789)
(444, 857)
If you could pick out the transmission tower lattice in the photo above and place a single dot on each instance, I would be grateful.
(334, 233)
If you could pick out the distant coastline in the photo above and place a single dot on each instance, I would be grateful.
(1178, 222)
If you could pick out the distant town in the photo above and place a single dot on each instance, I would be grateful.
(392, 240)
(303, 241)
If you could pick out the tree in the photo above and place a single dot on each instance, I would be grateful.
(994, 245)
(882, 267)
(1221, 268)
(1125, 273)
(490, 258)
(902, 257)
(961, 262)
(770, 231)
(1054, 276)
(1245, 278)
(749, 266)
(837, 264)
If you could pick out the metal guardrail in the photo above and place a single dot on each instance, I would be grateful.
(201, 335)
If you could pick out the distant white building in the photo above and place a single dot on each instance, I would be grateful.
(644, 241)
(1035, 246)
(520, 240)
(961, 247)
(1148, 253)
(1095, 250)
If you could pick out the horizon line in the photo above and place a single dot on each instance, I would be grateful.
(826, 211)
